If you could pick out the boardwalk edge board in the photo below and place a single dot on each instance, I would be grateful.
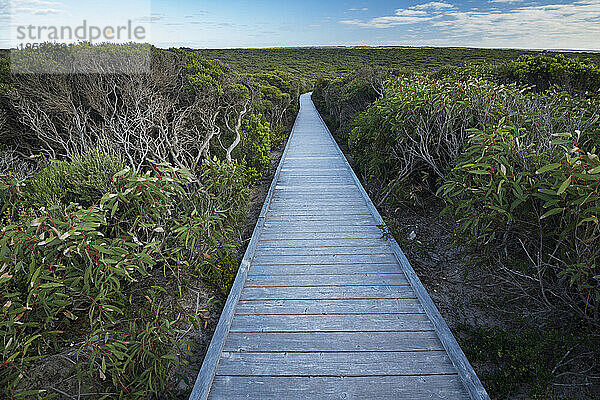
(208, 370)
(465, 370)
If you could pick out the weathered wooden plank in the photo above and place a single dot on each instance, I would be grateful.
(266, 236)
(333, 222)
(325, 188)
(324, 269)
(316, 229)
(311, 183)
(345, 306)
(342, 178)
(327, 292)
(346, 279)
(315, 165)
(300, 171)
(304, 207)
(381, 248)
(343, 212)
(325, 160)
(331, 323)
(326, 242)
(326, 259)
(324, 200)
(333, 162)
(317, 193)
(431, 387)
(334, 218)
(317, 176)
(332, 341)
(309, 180)
(311, 215)
(335, 364)
(328, 157)
(285, 211)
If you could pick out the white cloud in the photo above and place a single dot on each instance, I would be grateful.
(37, 11)
(25, 3)
(402, 12)
(358, 9)
(401, 17)
(384, 22)
(34, 7)
(197, 14)
(554, 25)
(506, 1)
(433, 5)
(152, 18)
(575, 25)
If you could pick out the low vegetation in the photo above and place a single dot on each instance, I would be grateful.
(511, 154)
(312, 63)
(117, 193)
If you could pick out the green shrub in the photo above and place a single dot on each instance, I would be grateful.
(4, 73)
(466, 72)
(278, 135)
(540, 207)
(228, 186)
(340, 100)
(415, 132)
(82, 180)
(222, 272)
(70, 270)
(532, 357)
(255, 147)
(484, 149)
(107, 277)
(277, 97)
(544, 71)
(407, 141)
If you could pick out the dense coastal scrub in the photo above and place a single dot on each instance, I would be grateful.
(118, 193)
(122, 194)
(511, 154)
(312, 63)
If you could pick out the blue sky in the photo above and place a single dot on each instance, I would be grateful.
(552, 24)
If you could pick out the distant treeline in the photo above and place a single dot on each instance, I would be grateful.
(330, 62)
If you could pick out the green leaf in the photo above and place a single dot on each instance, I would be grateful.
(35, 275)
(593, 218)
(552, 212)
(564, 186)
(546, 168)
(547, 191)
(50, 285)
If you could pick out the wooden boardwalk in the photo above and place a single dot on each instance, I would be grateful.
(323, 307)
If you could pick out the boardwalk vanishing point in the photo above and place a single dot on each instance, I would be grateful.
(323, 307)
